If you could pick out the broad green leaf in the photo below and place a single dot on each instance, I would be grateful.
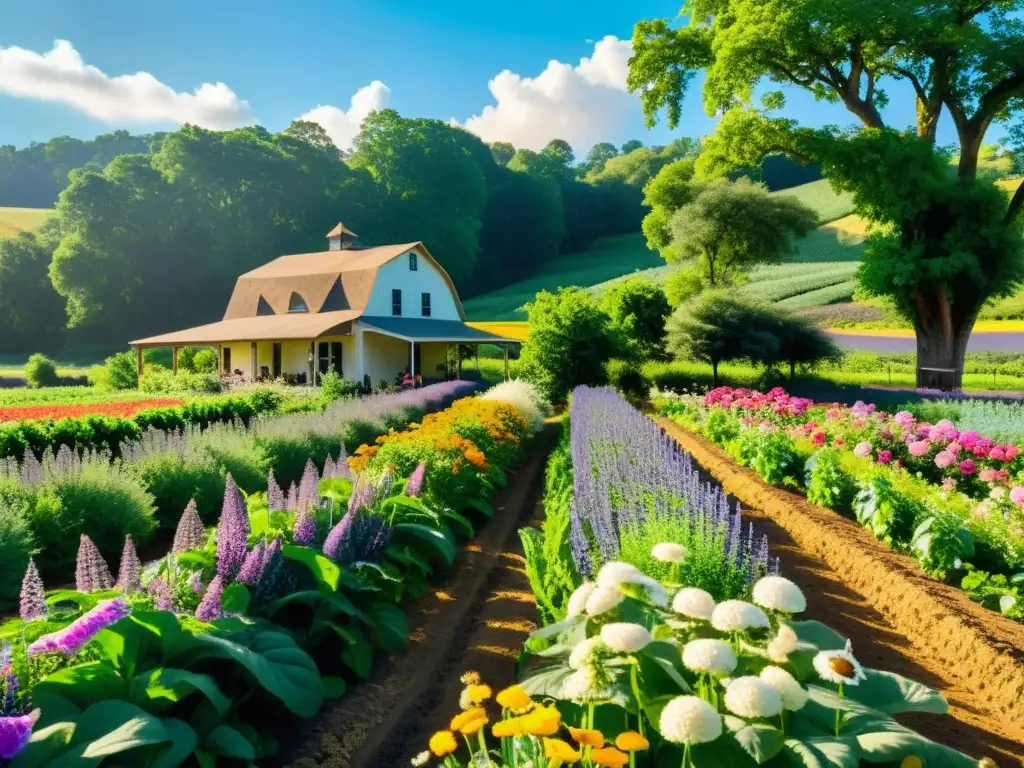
(390, 626)
(334, 687)
(891, 742)
(110, 728)
(413, 535)
(83, 684)
(324, 570)
(481, 506)
(666, 657)
(183, 744)
(356, 653)
(228, 742)
(54, 708)
(547, 681)
(45, 745)
(163, 687)
(761, 741)
(826, 752)
(825, 638)
(83, 600)
(236, 599)
(892, 694)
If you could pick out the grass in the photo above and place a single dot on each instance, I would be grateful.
(820, 196)
(13, 221)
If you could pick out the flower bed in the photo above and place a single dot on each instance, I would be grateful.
(124, 409)
(952, 499)
(205, 655)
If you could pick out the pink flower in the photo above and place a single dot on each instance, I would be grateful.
(904, 419)
(886, 433)
(1017, 496)
(818, 438)
(968, 467)
(949, 484)
(968, 438)
(934, 434)
(997, 454)
(1011, 452)
(944, 425)
(884, 457)
(919, 448)
(840, 441)
(863, 449)
(954, 448)
(944, 459)
(986, 475)
(980, 450)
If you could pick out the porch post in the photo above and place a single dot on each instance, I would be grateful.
(252, 354)
(412, 359)
(506, 361)
(138, 362)
(220, 359)
(174, 360)
(360, 362)
(314, 364)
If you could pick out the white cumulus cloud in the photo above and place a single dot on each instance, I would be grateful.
(343, 125)
(582, 104)
(61, 75)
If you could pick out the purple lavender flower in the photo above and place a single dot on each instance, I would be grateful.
(275, 497)
(358, 536)
(33, 601)
(273, 551)
(304, 530)
(252, 568)
(91, 571)
(292, 499)
(190, 533)
(129, 576)
(76, 635)
(308, 495)
(161, 593)
(210, 606)
(232, 532)
(341, 467)
(15, 731)
(329, 468)
(9, 683)
(414, 487)
(195, 581)
(336, 538)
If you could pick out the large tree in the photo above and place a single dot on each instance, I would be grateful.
(946, 242)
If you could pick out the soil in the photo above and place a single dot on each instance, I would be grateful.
(476, 619)
(898, 618)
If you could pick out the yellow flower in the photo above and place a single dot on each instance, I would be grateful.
(470, 678)
(631, 741)
(504, 729)
(556, 749)
(514, 698)
(443, 743)
(477, 694)
(472, 726)
(609, 756)
(543, 721)
(460, 720)
(911, 761)
(587, 738)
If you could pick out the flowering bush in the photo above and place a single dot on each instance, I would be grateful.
(124, 409)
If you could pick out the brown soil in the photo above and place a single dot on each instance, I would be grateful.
(898, 618)
(476, 619)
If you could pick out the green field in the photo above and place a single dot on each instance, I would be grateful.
(820, 196)
(16, 220)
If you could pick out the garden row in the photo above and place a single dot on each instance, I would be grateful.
(45, 505)
(208, 655)
(952, 498)
(669, 637)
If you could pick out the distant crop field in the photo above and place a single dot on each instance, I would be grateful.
(14, 221)
(820, 196)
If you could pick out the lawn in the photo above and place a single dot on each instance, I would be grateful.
(16, 220)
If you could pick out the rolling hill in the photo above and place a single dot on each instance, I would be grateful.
(16, 220)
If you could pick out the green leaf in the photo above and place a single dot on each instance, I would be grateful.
(666, 656)
(825, 752)
(110, 728)
(84, 600)
(892, 694)
(357, 653)
(45, 745)
(439, 542)
(236, 598)
(53, 709)
(83, 684)
(324, 570)
(227, 742)
(183, 743)
(547, 681)
(390, 626)
(481, 506)
(761, 741)
(887, 741)
(163, 687)
(334, 687)
(825, 638)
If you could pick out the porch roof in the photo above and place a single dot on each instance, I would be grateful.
(298, 325)
(422, 329)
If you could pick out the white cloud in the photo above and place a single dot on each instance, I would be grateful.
(341, 125)
(582, 104)
(60, 75)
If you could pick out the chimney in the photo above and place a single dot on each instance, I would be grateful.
(342, 239)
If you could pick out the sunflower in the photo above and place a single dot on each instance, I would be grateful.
(839, 667)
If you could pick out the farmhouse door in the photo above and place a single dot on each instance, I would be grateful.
(277, 359)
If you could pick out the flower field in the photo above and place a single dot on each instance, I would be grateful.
(205, 655)
(124, 409)
(952, 498)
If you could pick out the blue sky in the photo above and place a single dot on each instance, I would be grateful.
(287, 58)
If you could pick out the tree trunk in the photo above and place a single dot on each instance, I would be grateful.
(940, 358)
(714, 373)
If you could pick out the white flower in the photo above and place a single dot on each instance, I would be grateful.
(694, 603)
(613, 575)
(583, 653)
(783, 644)
(578, 599)
(690, 720)
(725, 682)
(669, 552)
(624, 637)
(839, 667)
(602, 600)
(752, 697)
(464, 702)
(421, 759)
(581, 687)
(793, 694)
(778, 594)
(711, 656)
(736, 616)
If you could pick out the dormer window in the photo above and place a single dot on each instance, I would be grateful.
(413, 266)
(297, 304)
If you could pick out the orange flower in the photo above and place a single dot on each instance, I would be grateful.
(609, 756)
(631, 741)
(587, 738)
(556, 749)
(443, 743)
(472, 726)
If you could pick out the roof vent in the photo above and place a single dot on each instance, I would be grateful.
(342, 239)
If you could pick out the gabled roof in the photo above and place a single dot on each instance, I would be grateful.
(298, 325)
(340, 230)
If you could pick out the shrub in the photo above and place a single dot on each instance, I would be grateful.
(187, 359)
(637, 309)
(41, 371)
(683, 284)
(627, 377)
(16, 545)
(334, 387)
(205, 361)
(526, 397)
(117, 372)
(164, 381)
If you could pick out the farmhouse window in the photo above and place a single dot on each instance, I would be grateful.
(297, 304)
(396, 302)
(413, 266)
(425, 304)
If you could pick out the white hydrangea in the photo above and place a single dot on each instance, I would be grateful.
(736, 616)
(614, 574)
(578, 600)
(625, 637)
(783, 644)
(752, 697)
(602, 600)
(693, 603)
(779, 594)
(793, 694)
(711, 656)
(584, 652)
(690, 720)
(669, 552)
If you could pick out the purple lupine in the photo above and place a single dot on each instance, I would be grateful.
(190, 533)
(210, 606)
(15, 732)
(8, 682)
(129, 575)
(336, 538)
(329, 468)
(414, 487)
(341, 467)
(195, 582)
(252, 568)
(232, 532)
(91, 571)
(275, 496)
(308, 494)
(33, 600)
(76, 635)
(162, 599)
(358, 536)
(304, 530)
(292, 499)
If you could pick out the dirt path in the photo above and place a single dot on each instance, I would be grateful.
(898, 619)
(476, 619)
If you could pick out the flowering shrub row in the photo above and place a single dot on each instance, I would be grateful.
(952, 498)
(124, 409)
(197, 658)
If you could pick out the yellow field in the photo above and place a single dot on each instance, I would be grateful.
(849, 229)
(507, 329)
(16, 220)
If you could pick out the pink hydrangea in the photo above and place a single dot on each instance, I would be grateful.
(949, 484)
(1017, 496)
(863, 449)
(919, 448)
(944, 425)
(986, 475)
(1010, 451)
(818, 438)
(968, 467)
(980, 451)
(954, 448)
(904, 419)
(968, 438)
(944, 459)
(884, 457)
(997, 454)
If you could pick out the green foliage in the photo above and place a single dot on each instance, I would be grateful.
(570, 340)
(120, 371)
(637, 310)
(31, 313)
(334, 387)
(187, 359)
(828, 483)
(166, 382)
(16, 544)
(41, 371)
(205, 361)
(627, 377)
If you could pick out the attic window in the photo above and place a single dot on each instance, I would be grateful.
(413, 266)
(297, 304)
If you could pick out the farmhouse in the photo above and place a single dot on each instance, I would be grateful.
(361, 311)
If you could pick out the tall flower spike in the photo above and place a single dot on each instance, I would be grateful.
(304, 531)
(252, 568)
(190, 533)
(341, 467)
(162, 600)
(129, 575)
(275, 496)
(232, 533)
(335, 541)
(308, 493)
(33, 601)
(15, 732)
(415, 485)
(91, 571)
(292, 499)
(210, 606)
(76, 635)
(329, 468)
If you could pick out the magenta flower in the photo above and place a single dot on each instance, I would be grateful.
(884, 457)
(190, 533)
(76, 635)
(968, 467)
(997, 453)
(904, 419)
(91, 571)
(944, 459)
(15, 732)
(210, 607)
(415, 485)
(129, 575)
(1010, 452)
(919, 448)
(33, 600)
(863, 449)
(1017, 496)
(275, 497)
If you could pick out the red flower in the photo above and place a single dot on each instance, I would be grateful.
(125, 409)
(818, 438)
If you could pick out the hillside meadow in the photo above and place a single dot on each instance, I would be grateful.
(14, 221)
